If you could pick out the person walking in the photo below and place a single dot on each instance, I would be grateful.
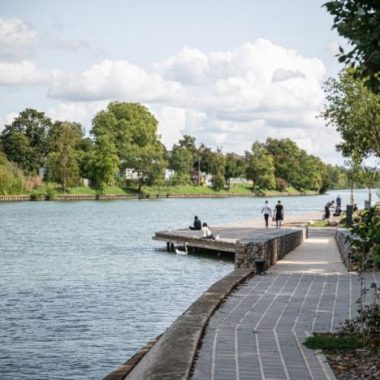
(279, 214)
(267, 211)
(338, 201)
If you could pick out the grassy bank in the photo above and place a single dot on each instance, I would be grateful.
(51, 191)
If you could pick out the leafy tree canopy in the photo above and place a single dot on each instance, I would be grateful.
(358, 21)
(260, 168)
(62, 163)
(25, 140)
(355, 112)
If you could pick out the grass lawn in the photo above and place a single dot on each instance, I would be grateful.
(239, 189)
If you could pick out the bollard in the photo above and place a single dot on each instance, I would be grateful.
(259, 266)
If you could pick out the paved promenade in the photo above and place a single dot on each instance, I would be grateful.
(259, 330)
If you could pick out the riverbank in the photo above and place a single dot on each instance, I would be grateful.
(105, 197)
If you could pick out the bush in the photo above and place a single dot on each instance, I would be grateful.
(366, 236)
(12, 180)
(365, 327)
(281, 184)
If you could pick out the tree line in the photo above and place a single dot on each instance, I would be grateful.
(125, 136)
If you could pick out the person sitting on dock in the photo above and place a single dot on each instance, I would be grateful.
(197, 224)
(207, 232)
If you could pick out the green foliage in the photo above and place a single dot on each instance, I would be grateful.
(234, 167)
(358, 21)
(366, 235)
(131, 128)
(365, 327)
(355, 112)
(332, 342)
(281, 184)
(260, 168)
(102, 163)
(296, 167)
(62, 165)
(217, 166)
(25, 140)
(181, 161)
(319, 223)
(12, 180)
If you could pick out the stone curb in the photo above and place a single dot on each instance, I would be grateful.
(171, 357)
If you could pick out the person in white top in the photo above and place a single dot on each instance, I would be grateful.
(267, 211)
(207, 232)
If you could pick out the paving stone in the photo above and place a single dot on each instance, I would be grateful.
(270, 316)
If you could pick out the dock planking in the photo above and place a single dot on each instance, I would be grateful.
(228, 237)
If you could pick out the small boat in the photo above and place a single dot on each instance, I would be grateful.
(180, 251)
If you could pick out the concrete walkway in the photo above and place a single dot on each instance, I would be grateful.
(258, 332)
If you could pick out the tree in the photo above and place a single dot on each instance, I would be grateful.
(102, 162)
(286, 159)
(358, 21)
(217, 166)
(234, 167)
(260, 168)
(371, 177)
(12, 180)
(314, 170)
(61, 163)
(133, 131)
(355, 112)
(188, 142)
(25, 140)
(181, 161)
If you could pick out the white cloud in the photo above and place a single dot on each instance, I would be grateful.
(227, 98)
(7, 119)
(16, 38)
(171, 124)
(80, 112)
(113, 80)
(23, 73)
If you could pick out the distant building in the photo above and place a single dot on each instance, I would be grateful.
(169, 173)
(42, 172)
(235, 181)
(130, 173)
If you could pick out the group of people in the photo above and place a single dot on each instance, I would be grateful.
(277, 216)
(206, 232)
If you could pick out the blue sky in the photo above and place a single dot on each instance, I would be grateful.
(226, 72)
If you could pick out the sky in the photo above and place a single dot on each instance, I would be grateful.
(228, 72)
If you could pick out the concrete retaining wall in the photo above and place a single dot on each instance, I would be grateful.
(345, 249)
(171, 357)
(271, 248)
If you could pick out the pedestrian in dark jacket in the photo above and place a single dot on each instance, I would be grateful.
(279, 214)
(327, 209)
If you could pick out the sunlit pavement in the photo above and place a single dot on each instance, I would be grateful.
(258, 332)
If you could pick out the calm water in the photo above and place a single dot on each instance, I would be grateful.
(83, 286)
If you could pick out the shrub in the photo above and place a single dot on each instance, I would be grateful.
(366, 236)
(281, 184)
(12, 180)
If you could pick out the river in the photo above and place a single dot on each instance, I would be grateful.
(83, 286)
